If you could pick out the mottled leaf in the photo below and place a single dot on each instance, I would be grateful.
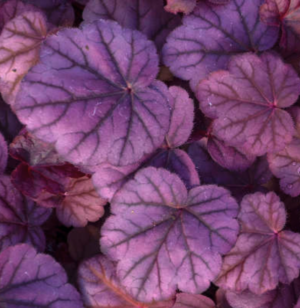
(34, 280)
(232, 158)
(100, 287)
(91, 93)
(163, 237)
(263, 252)
(184, 300)
(80, 203)
(239, 183)
(3, 154)
(20, 219)
(285, 165)
(20, 43)
(147, 16)
(253, 117)
(212, 34)
(180, 6)
(286, 14)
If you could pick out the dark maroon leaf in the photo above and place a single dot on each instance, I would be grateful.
(163, 236)
(111, 89)
(263, 251)
(212, 34)
(147, 16)
(180, 6)
(20, 43)
(34, 280)
(100, 287)
(3, 154)
(284, 14)
(20, 219)
(254, 117)
(285, 165)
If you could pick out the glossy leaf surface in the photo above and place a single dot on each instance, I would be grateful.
(163, 236)
(253, 117)
(263, 251)
(108, 111)
(147, 16)
(34, 280)
(20, 218)
(212, 34)
(100, 287)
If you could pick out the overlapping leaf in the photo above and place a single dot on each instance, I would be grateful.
(100, 287)
(286, 14)
(28, 279)
(163, 237)
(180, 6)
(3, 154)
(253, 117)
(20, 43)
(91, 93)
(184, 300)
(147, 16)
(263, 251)
(20, 219)
(212, 34)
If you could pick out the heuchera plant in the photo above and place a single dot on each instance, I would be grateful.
(149, 154)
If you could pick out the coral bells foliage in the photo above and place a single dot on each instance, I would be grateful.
(149, 153)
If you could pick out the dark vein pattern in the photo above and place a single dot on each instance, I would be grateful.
(165, 238)
(147, 16)
(91, 95)
(20, 43)
(100, 287)
(253, 118)
(28, 279)
(20, 218)
(264, 255)
(285, 165)
(212, 34)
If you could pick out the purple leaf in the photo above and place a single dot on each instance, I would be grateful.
(232, 158)
(34, 280)
(180, 6)
(20, 219)
(285, 165)
(184, 300)
(20, 42)
(100, 287)
(263, 251)
(147, 16)
(253, 117)
(80, 203)
(239, 183)
(286, 14)
(182, 117)
(178, 162)
(163, 236)
(212, 34)
(3, 154)
(96, 102)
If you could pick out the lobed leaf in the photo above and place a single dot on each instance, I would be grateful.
(263, 251)
(254, 117)
(29, 279)
(147, 16)
(165, 238)
(95, 89)
(212, 34)
(20, 219)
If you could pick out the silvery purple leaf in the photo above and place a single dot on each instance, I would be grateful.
(29, 279)
(263, 250)
(147, 16)
(212, 34)
(164, 237)
(93, 94)
(185, 300)
(20, 218)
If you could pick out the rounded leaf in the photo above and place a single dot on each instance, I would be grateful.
(93, 94)
(165, 238)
